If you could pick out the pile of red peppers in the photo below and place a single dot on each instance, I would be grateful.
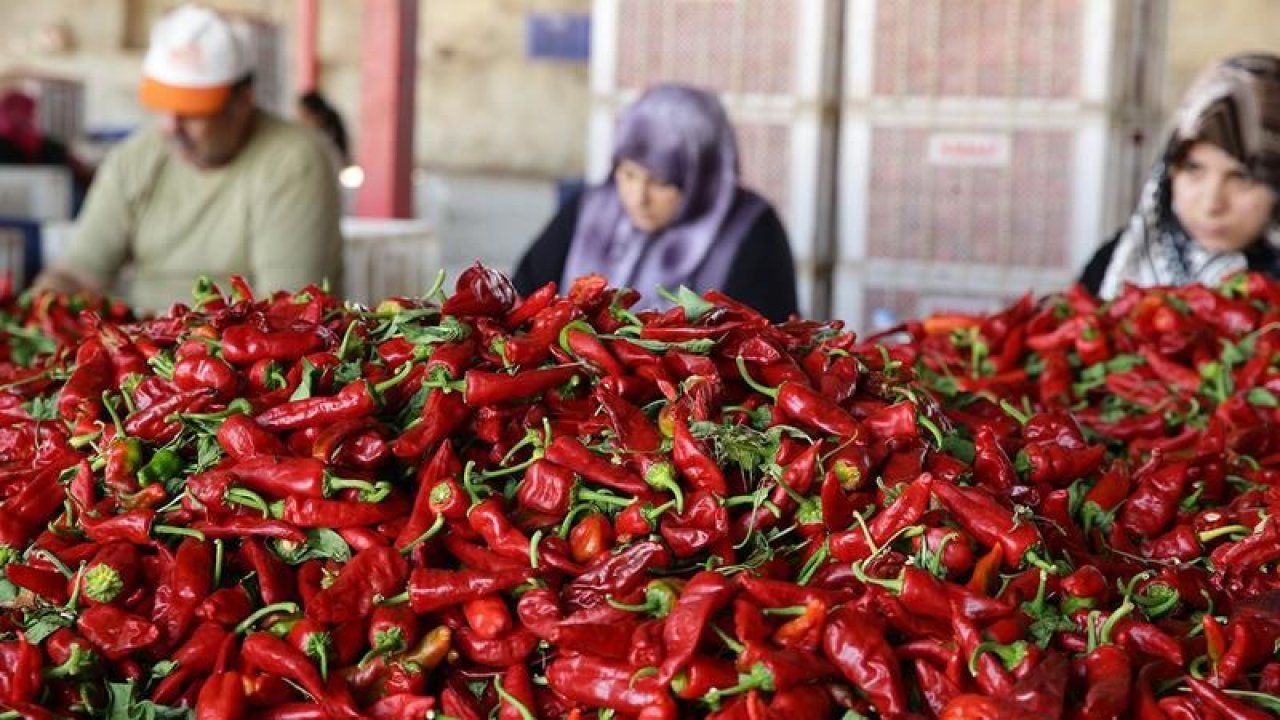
(482, 505)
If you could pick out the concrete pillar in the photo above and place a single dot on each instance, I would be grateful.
(306, 68)
(388, 74)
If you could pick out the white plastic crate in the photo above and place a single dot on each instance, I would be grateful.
(59, 102)
(774, 48)
(987, 147)
(388, 257)
(873, 294)
(12, 255)
(35, 192)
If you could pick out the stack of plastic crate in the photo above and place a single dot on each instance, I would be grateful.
(987, 146)
(59, 101)
(772, 63)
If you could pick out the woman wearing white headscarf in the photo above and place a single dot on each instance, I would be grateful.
(1209, 208)
(671, 213)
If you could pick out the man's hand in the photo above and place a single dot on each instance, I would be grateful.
(62, 279)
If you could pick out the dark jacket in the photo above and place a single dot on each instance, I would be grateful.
(1261, 257)
(762, 275)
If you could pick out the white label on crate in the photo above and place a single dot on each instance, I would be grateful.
(959, 149)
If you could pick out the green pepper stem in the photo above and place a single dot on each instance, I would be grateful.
(219, 553)
(401, 599)
(597, 496)
(759, 678)
(115, 416)
(247, 498)
(436, 526)
(400, 376)
(289, 608)
(334, 484)
(894, 585)
(751, 382)
(815, 561)
(661, 476)
(789, 611)
(1214, 534)
(1014, 412)
(931, 426)
(173, 530)
(507, 697)
(239, 406)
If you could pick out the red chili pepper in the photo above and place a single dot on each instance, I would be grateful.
(134, 526)
(530, 305)
(1171, 372)
(311, 512)
(1155, 501)
(227, 607)
(987, 521)
(703, 522)
(808, 407)
(433, 589)
(111, 575)
(20, 680)
(377, 572)
(481, 291)
(547, 488)
(702, 597)
(245, 344)
(853, 545)
(570, 453)
(597, 682)
(1221, 703)
(48, 584)
(512, 648)
(591, 537)
(693, 461)
(427, 505)
(493, 388)
(242, 439)
(518, 702)
(856, 646)
(92, 376)
(616, 575)
(239, 526)
(284, 477)
(205, 371)
(442, 414)
(115, 633)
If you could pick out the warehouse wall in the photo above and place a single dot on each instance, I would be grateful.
(1200, 31)
(481, 106)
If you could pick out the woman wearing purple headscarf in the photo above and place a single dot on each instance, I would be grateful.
(671, 213)
(1211, 206)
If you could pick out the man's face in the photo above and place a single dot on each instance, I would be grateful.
(210, 141)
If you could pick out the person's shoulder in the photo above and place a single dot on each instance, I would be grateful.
(276, 140)
(143, 145)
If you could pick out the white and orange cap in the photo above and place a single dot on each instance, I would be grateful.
(195, 56)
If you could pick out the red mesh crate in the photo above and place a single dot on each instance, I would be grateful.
(1017, 214)
(742, 47)
(947, 48)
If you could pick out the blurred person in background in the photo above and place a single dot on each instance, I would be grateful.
(217, 187)
(1211, 206)
(22, 143)
(315, 111)
(671, 213)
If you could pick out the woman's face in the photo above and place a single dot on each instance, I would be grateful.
(1218, 202)
(650, 203)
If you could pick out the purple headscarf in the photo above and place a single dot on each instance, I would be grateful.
(683, 136)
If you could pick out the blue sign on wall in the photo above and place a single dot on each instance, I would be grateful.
(558, 36)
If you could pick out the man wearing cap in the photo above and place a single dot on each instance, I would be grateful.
(218, 187)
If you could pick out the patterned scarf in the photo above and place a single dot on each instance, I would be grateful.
(1236, 106)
